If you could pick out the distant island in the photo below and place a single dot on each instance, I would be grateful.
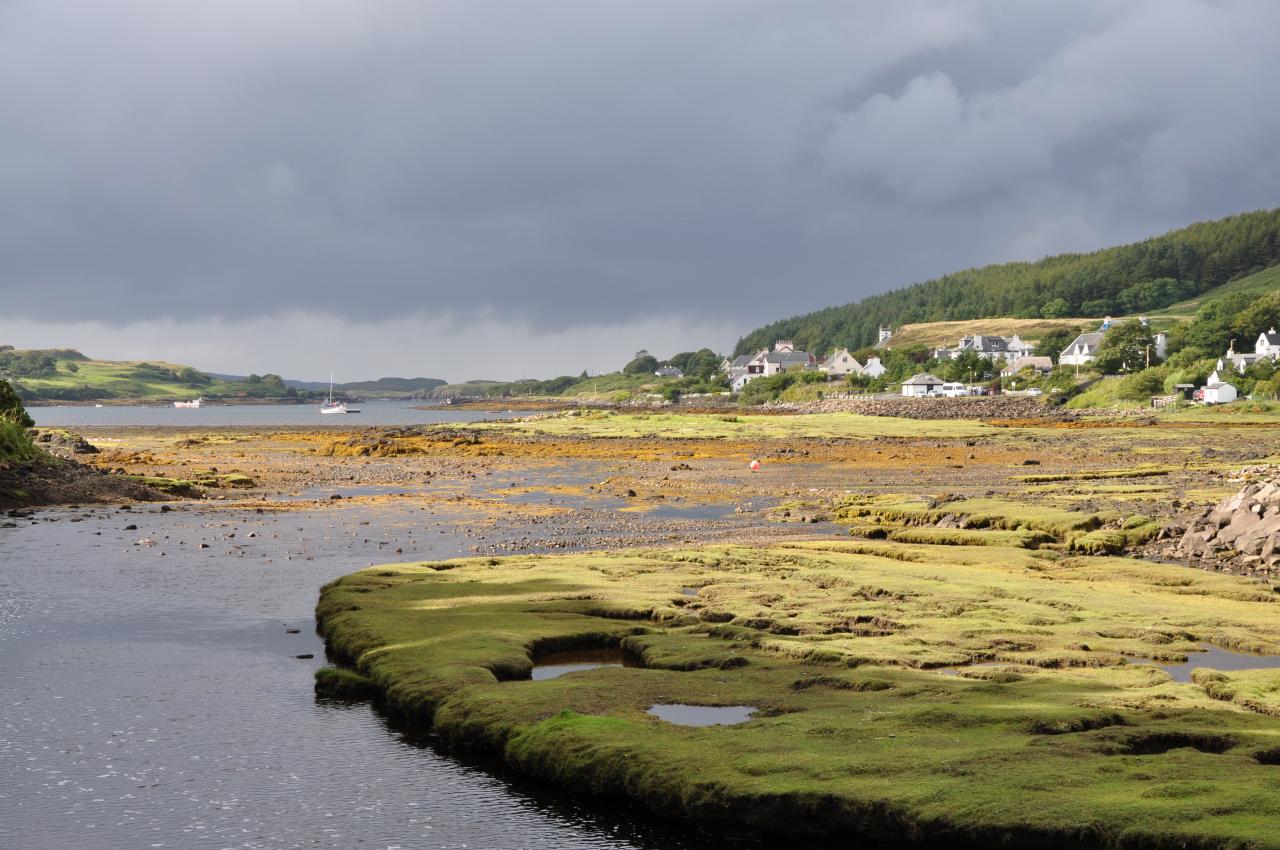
(65, 374)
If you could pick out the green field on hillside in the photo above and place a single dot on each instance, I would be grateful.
(117, 379)
(1266, 280)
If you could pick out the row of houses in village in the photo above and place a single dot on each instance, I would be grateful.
(784, 357)
(1218, 389)
(1012, 354)
(998, 349)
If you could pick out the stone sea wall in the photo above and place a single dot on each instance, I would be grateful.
(978, 407)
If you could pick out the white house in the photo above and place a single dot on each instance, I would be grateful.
(746, 367)
(1043, 365)
(873, 368)
(669, 372)
(765, 363)
(1219, 393)
(841, 363)
(922, 385)
(884, 335)
(786, 361)
(1084, 349)
(1268, 345)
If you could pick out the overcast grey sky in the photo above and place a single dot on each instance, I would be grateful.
(483, 189)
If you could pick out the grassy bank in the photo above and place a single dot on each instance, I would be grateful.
(15, 445)
(840, 648)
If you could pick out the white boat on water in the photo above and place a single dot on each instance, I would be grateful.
(194, 403)
(332, 406)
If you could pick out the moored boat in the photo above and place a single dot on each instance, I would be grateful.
(331, 406)
(194, 403)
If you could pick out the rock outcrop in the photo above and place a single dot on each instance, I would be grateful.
(62, 443)
(1240, 534)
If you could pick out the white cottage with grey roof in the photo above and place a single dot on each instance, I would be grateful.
(840, 362)
(1268, 345)
(1083, 349)
(765, 363)
(922, 385)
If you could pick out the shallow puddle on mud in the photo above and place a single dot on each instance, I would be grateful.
(959, 671)
(703, 715)
(552, 665)
(1215, 658)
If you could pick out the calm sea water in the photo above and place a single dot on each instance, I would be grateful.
(150, 696)
(371, 413)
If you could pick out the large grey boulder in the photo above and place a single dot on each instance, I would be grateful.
(1240, 532)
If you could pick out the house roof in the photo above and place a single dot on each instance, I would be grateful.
(1035, 362)
(787, 357)
(831, 359)
(992, 344)
(1217, 385)
(1273, 338)
(1089, 341)
(742, 360)
(924, 379)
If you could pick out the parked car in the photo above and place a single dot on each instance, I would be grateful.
(1035, 391)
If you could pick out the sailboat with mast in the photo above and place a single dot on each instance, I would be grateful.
(331, 406)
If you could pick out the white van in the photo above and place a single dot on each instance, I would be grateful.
(954, 390)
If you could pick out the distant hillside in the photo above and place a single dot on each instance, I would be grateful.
(67, 375)
(380, 387)
(64, 374)
(1145, 276)
(1266, 280)
(393, 385)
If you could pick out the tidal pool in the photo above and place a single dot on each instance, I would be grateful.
(1215, 658)
(703, 715)
(551, 665)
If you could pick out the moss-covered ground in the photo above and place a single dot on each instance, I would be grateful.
(861, 658)
(610, 424)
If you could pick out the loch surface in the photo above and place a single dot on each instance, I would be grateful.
(250, 415)
(152, 696)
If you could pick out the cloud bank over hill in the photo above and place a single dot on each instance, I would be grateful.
(583, 178)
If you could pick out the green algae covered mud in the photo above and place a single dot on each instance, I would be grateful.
(883, 691)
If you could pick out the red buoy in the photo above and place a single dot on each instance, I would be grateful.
(755, 466)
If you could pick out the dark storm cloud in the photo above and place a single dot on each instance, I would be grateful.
(569, 163)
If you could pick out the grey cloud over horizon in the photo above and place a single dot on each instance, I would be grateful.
(569, 165)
